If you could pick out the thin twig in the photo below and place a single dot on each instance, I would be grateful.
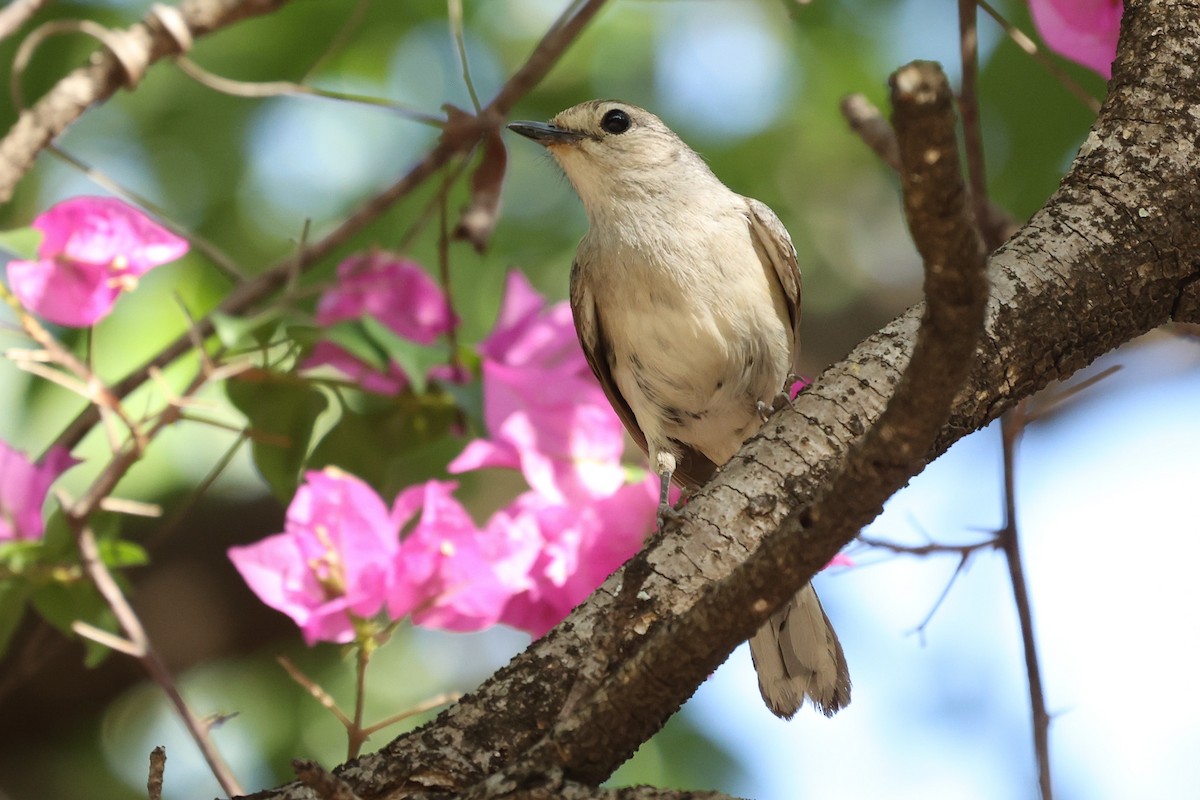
(141, 648)
(218, 257)
(343, 36)
(1025, 43)
(16, 14)
(1014, 421)
(315, 690)
(454, 11)
(90, 386)
(963, 551)
(1012, 424)
(1057, 400)
(968, 110)
(876, 132)
(444, 274)
(356, 735)
(260, 89)
(866, 120)
(105, 73)
(420, 708)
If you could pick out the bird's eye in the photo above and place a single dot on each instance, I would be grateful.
(615, 121)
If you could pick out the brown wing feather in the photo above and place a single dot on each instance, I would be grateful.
(775, 244)
(694, 469)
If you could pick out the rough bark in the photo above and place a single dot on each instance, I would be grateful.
(1112, 255)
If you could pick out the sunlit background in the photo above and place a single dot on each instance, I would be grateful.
(1106, 483)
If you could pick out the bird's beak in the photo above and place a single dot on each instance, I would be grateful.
(544, 133)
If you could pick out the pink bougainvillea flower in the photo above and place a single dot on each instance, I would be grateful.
(544, 411)
(1084, 31)
(332, 562)
(449, 574)
(528, 333)
(93, 248)
(558, 429)
(398, 293)
(394, 381)
(578, 547)
(23, 488)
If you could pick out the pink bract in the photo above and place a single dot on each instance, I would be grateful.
(1084, 31)
(92, 250)
(398, 293)
(332, 562)
(579, 546)
(449, 574)
(23, 489)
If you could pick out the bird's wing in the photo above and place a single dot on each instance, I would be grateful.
(596, 350)
(694, 469)
(773, 243)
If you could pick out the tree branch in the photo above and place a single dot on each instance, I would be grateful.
(682, 649)
(104, 75)
(1110, 256)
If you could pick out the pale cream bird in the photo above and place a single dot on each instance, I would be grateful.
(686, 298)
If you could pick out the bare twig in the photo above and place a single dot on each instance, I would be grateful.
(875, 131)
(968, 109)
(148, 41)
(454, 11)
(137, 645)
(219, 258)
(1012, 424)
(315, 689)
(420, 708)
(358, 733)
(16, 14)
(1025, 43)
(1014, 421)
(260, 89)
(87, 383)
(1053, 401)
(158, 766)
(344, 34)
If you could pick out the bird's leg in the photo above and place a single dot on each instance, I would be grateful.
(784, 398)
(664, 464)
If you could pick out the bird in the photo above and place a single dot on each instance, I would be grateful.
(686, 301)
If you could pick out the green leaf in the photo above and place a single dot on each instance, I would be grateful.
(353, 337)
(22, 243)
(282, 410)
(62, 604)
(236, 332)
(120, 553)
(415, 359)
(376, 435)
(13, 596)
(19, 554)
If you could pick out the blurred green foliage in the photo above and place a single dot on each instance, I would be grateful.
(249, 175)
